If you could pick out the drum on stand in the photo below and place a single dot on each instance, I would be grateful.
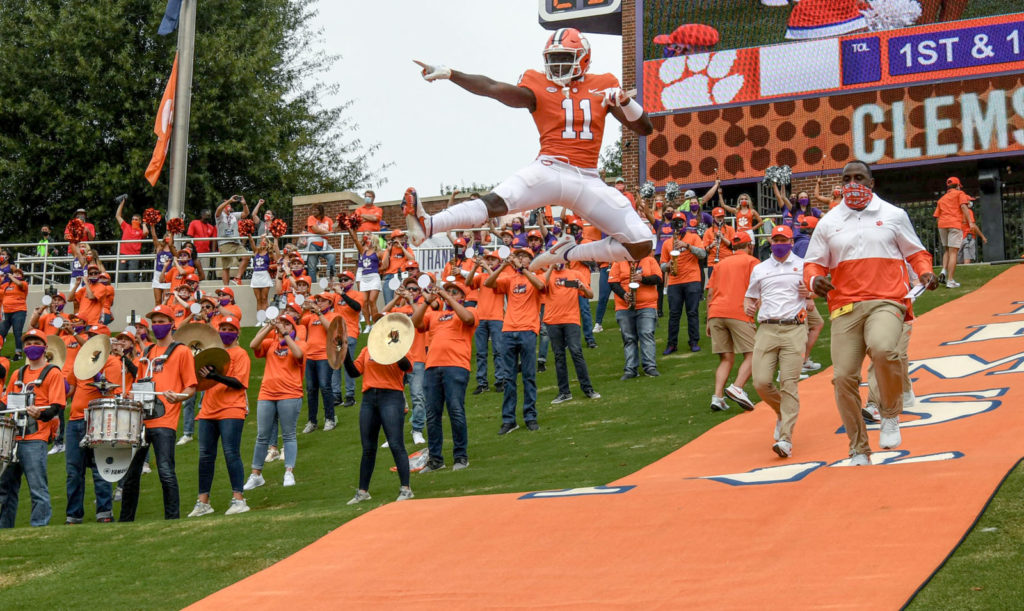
(8, 447)
(114, 431)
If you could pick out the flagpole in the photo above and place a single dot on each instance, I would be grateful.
(182, 109)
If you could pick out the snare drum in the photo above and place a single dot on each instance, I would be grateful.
(113, 422)
(8, 431)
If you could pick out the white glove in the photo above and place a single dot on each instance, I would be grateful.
(614, 96)
(433, 73)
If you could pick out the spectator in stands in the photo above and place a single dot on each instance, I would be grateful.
(263, 226)
(832, 202)
(203, 233)
(371, 215)
(319, 225)
(952, 214)
(127, 267)
(90, 229)
(730, 328)
(231, 249)
(43, 250)
(620, 186)
(635, 284)
(15, 290)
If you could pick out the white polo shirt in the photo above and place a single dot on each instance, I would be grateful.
(777, 284)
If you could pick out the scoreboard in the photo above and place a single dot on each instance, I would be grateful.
(594, 16)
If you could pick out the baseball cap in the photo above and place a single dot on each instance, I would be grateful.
(740, 239)
(226, 291)
(303, 280)
(459, 242)
(230, 320)
(535, 233)
(809, 222)
(36, 333)
(98, 330)
(620, 179)
(192, 278)
(782, 230)
(525, 251)
(397, 233)
(350, 275)
(718, 211)
(689, 193)
(952, 181)
(161, 309)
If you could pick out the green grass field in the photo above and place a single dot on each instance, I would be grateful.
(153, 563)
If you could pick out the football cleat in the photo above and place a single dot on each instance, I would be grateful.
(416, 218)
(554, 255)
(566, 56)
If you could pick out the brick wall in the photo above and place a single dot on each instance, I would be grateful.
(630, 141)
(806, 183)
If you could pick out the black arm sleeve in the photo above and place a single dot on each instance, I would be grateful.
(129, 366)
(404, 364)
(352, 303)
(652, 279)
(226, 381)
(51, 412)
(3, 373)
(617, 289)
(350, 367)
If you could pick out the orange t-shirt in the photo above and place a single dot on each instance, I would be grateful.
(467, 266)
(86, 392)
(709, 242)
(325, 224)
(108, 301)
(523, 310)
(581, 144)
(646, 294)
(223, 402)
(381, 377)
(490, 305)
(350, 315)
(48, 391)
(43, 323)
(687, 264)
(14, 297)
(316, 334)
(418, 352)
(232, 309)
(180, 312)
(397, 260)
(728, 285)
(370, 225)
(562, 305)
(452, 343)
(948, 209)
(175, 373)
(282, 376)
(69, 362)
(91, 309)
(177, 278)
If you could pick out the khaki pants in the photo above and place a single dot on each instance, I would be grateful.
(903, 346)
(872, 328)
(780, 347)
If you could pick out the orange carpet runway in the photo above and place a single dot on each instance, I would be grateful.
(721, 522)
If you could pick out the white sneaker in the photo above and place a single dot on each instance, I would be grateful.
(404, 494)
(146, 468)
(783, 448)
(359, 497)
(329, 425)
(890, 437)
(309, 428)
(254, 481)
(738, 395)
(597, 328)
(56, 449)
(860, 460)
(201, 509)
(909, 400)
(237, 506)
(417, 438)
(718, 404)
(385, 445)
(289, 478)
(952, 284)
(778, 430)
(553, 255)
(183, 440)
(272, 455)
(871, 413)
(810, 365)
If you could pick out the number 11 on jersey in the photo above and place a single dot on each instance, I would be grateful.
(568, 133)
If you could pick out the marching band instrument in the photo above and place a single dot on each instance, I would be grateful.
(672, 264)
(114, 431)
(337, 343)
(92, 357)
(215, 357)
(391, 338)
(504, 251)
(8, 445)
(197, 336)
(56, 351)
(633, 286)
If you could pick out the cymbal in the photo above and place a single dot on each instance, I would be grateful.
(337, 342)
(391, 338)
(104, 386)
(56, 351)
(92, 357)
(197, 336)
(218, 358)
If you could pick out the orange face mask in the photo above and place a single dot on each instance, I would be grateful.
(136, 224)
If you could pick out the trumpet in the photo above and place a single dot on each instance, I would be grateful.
(673, 263)
(718, 244)
(633, 286)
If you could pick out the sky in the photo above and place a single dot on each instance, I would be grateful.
(434, 133)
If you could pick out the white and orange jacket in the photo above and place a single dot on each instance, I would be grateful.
(864, 251)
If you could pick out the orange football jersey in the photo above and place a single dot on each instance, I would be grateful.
(573, 126)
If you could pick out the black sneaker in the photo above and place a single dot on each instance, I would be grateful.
(507, 427)
(592, 394)
(591, 344)
(499, 387)
(460, 464)
(542, 366)
(481, 389)
(629, 375)
(651, 372)
(348, 402)
(559, 399)
(434, 464)
(532, 425)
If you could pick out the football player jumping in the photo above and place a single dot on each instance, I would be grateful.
(569, 107)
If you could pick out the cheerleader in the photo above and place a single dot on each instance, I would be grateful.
(163, 262)
(369, 273)
(747, 219)
(261, 280)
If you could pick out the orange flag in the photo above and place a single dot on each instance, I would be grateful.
(162, 127)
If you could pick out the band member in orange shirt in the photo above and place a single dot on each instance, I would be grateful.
(562, 317)
(15, 290)
(490, 311)
(406, 297)
(636, 310)
(221, 418)
(682, 273)
(350, 305)
(319, 313)
(280, 394)
(172, 369)
(47, 384)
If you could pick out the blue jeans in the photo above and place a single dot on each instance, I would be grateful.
(446, 386)
(414, 380)
(567, 337)
(313, 260)
(603, 291)
(544, 342)
(285, 411)
(688, 294)
(488, 330)
(229, 432)
(350, 383)
(518, 349)
(75, 460)
(385, 290)
(587, 321)
(382, 407)
(637, 328)
(318, 384)
(188, 413)
(15, 321)
(161, 442)
(31, 463)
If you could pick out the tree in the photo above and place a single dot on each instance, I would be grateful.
(465, 189)
(80, 83)
(611, 160)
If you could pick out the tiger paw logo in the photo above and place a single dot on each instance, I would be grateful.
(708, 79)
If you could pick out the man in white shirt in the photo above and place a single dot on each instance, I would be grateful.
(230, 244)
(779, 298)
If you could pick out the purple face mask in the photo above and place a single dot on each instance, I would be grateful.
(58, 308)
(781, 251)
(291, 335)
(35, 352)
(161, 330)
(803, 201)
(225, 301)
(228, 337)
